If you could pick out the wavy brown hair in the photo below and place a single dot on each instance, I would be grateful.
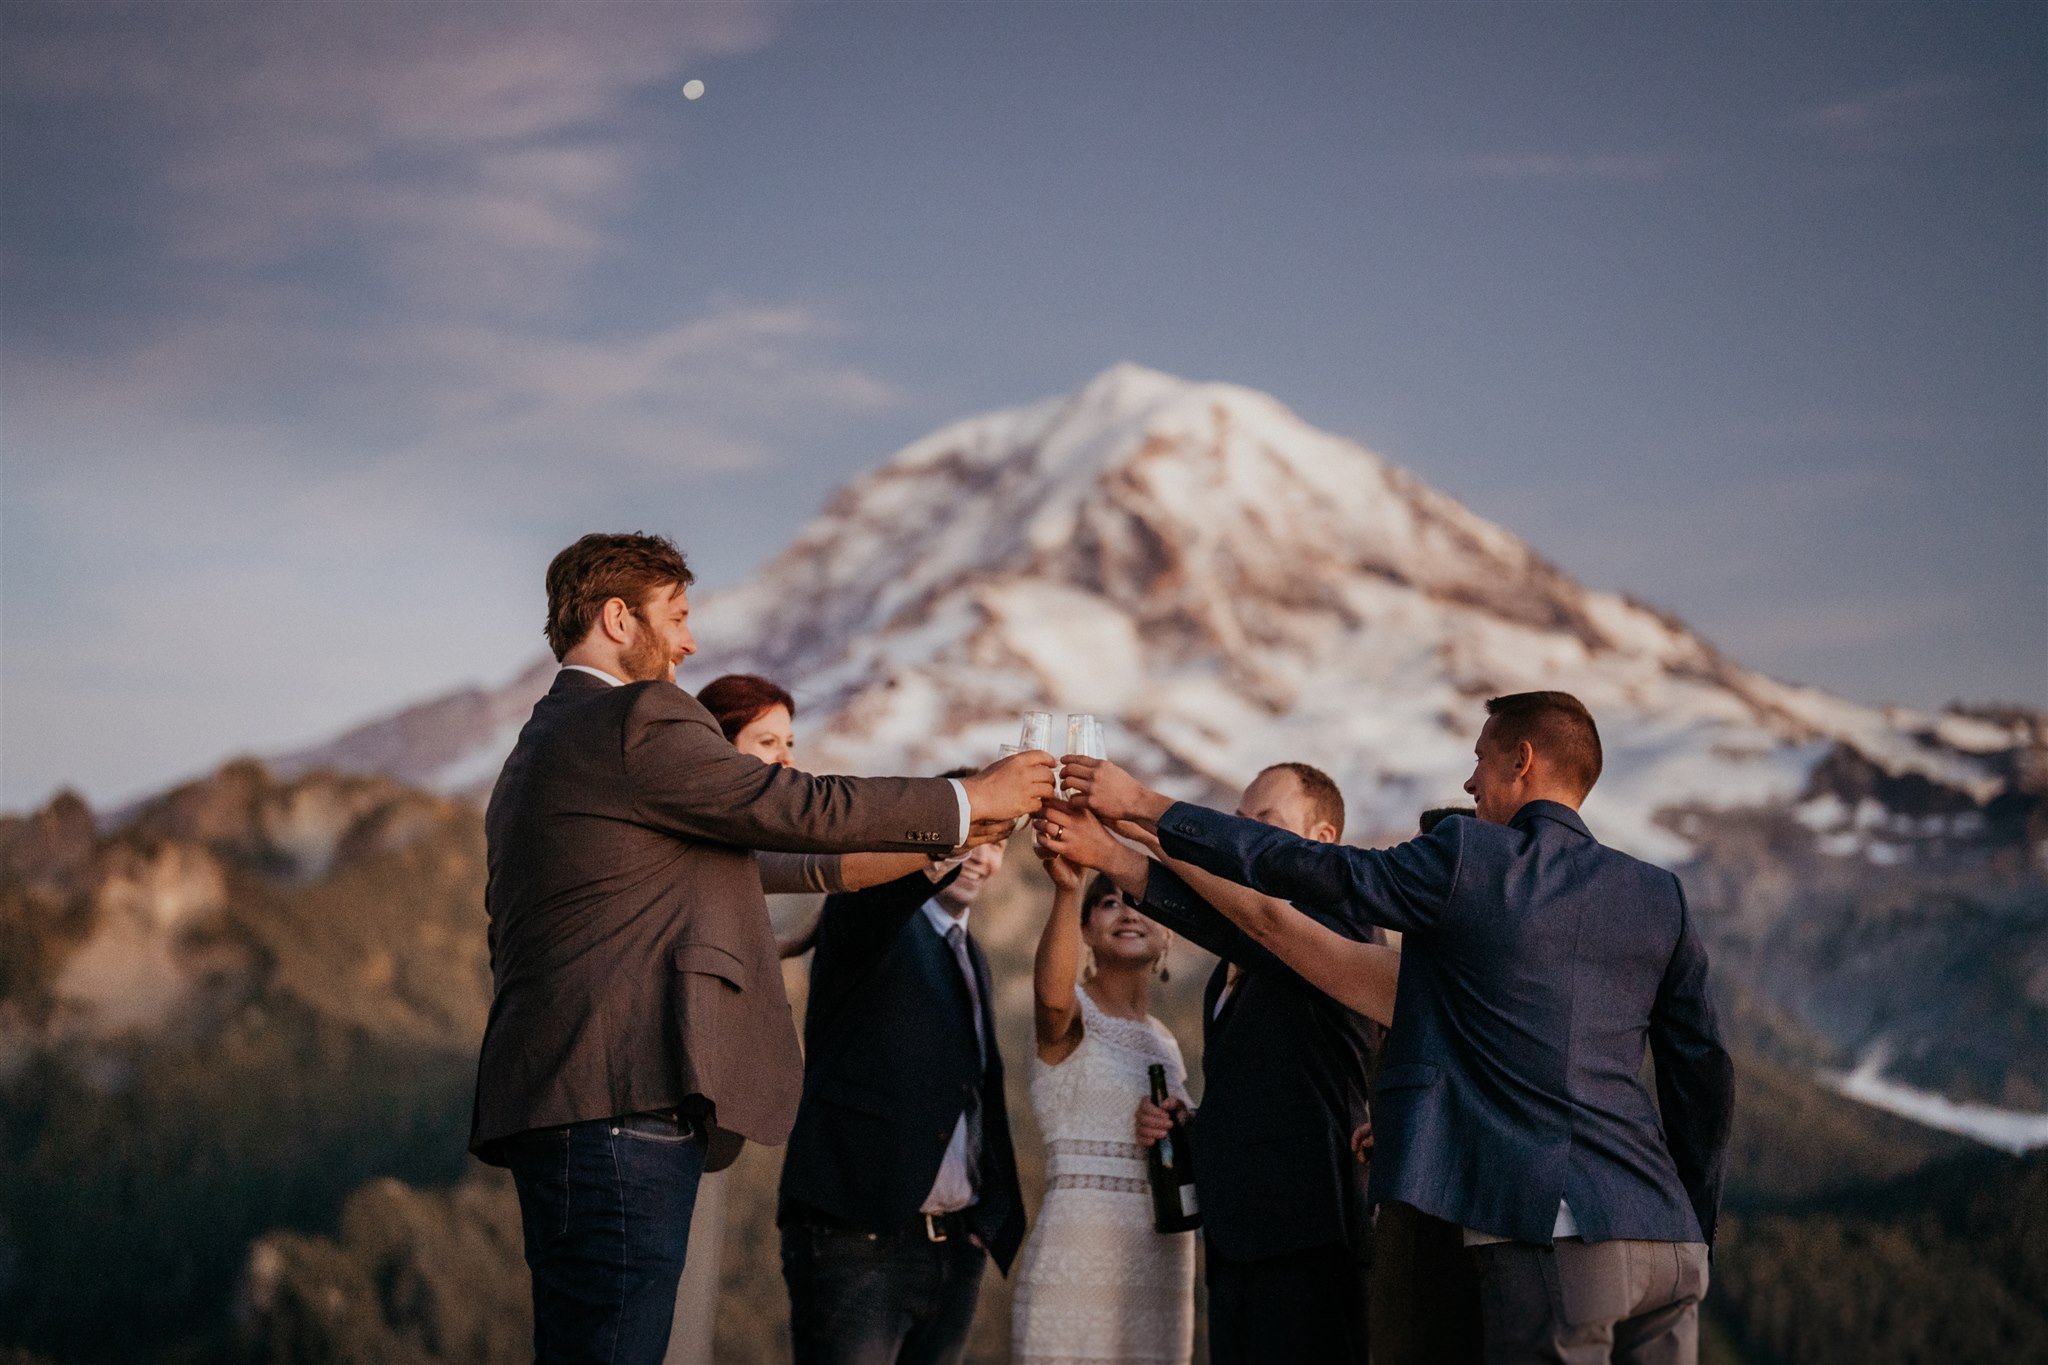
(600, 566)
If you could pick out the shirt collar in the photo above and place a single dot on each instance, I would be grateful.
(941, 921)
(593, 672)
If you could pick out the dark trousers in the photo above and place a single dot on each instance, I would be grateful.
(1303, 1308)
(605, 1206)
(1589, 1303)
(1425, 1302)
(864, 1298)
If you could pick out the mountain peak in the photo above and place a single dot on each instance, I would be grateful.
(1229, 586)
(1127, 386)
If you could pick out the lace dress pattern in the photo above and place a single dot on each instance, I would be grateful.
(1096, 1283)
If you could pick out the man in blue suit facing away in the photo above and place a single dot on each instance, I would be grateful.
(1536, 966)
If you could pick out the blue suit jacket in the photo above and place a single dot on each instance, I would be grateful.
(1536, 965)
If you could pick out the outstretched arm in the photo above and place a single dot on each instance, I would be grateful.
(1056, 1010)
(785, 874)
(1358, 976)
(859, 871)
(1405, 887)
(685, 778)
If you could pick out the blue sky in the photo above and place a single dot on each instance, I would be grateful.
(325, 324)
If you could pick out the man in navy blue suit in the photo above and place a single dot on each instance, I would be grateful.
(1537, 963)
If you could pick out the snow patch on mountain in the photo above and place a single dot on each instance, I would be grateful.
(2011, 1130)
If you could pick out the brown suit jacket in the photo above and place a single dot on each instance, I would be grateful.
(632, 963)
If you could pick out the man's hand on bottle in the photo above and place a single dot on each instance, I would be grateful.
(1010, 788)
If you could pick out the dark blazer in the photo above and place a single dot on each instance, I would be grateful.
(1285, 1074)
(631, 958)
(1535, 964)
(889, 1055)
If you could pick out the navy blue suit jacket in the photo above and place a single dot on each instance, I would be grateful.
(1536, 965)
(1285, 1077)
(889, 1059)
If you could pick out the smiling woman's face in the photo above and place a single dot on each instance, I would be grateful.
(1118, 933)
(770, 737)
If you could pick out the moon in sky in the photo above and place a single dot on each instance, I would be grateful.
(692, 89)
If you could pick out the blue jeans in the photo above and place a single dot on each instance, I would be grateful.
(863, 1298)
(605, 1206)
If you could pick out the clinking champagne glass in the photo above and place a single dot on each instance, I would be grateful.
(1084, 736)
(1036, 734)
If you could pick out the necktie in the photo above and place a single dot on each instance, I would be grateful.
(956, 939)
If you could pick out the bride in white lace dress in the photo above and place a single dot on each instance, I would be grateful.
(1097, 1284)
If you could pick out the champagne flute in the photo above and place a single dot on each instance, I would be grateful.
(1037, 731)
(1084, 736)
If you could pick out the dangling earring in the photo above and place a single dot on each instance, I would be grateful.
(1164, 975)
(1087, 963)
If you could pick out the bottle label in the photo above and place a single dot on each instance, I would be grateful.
(1189, 1205)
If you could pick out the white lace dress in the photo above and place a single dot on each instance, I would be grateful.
(1096, 1282)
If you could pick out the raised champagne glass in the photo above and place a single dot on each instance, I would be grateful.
(1084, 736)
(1036, 734)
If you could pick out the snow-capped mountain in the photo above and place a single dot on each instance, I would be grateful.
(1228, 586)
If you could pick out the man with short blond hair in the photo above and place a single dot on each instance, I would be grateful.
(1536, 965)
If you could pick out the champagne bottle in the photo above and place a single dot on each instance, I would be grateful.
(1170, 1169)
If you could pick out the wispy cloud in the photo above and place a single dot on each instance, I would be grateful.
(1918, 115)
(496, 417)
(1557, 166)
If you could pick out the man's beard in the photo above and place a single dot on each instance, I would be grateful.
(647, 661)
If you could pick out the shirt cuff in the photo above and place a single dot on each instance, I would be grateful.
(966, 810)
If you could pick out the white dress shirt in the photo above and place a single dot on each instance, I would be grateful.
(953, 1190)
(959, 788)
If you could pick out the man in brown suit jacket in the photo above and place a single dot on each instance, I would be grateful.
(638, 1029)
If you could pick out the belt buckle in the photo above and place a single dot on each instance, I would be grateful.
(932, 1231)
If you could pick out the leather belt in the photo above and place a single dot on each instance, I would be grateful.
(927, 1227)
